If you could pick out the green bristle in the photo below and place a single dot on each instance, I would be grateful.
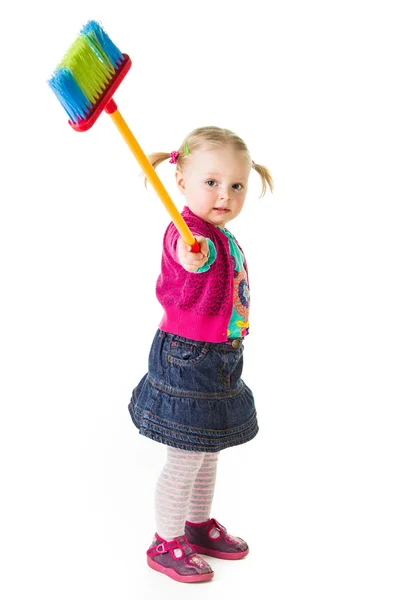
(89, 65)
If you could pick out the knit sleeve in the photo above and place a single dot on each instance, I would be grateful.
(172, 236)
(170, 241)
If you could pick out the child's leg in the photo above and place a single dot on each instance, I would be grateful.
(203, 489)
(205, 534)
(173, 492)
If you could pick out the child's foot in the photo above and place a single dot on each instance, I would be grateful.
(178, 560)
(211, 538)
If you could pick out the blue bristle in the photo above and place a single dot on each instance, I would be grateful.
(113, 53)
(70, 94)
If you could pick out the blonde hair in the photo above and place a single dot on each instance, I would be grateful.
(207, 137)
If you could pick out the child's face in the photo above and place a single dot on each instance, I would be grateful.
(214, 183)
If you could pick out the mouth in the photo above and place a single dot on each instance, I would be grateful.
(221, 211)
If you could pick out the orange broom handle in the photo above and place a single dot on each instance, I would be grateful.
(152, 176)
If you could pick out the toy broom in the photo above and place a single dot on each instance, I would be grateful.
(85, 82)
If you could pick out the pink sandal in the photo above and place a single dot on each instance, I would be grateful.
(222, 545)
(178, 560)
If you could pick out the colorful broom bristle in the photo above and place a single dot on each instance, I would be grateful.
(86, 71)
(70, 95)
(97, 34)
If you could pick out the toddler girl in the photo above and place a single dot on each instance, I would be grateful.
(193, 399)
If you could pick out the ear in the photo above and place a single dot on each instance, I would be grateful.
(180, 182)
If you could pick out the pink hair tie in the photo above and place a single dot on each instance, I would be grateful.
(174, 155)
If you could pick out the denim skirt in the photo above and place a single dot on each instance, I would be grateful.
(193, 396)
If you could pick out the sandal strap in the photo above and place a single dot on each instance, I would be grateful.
(164, 547)
(218, 525)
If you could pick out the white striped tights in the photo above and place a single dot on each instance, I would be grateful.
(184, 491)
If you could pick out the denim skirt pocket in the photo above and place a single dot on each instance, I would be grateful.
(185, 352)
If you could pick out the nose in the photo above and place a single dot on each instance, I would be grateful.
(224, 192)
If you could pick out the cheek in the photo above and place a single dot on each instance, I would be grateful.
(192, 191)
(241, 198)
(207, 191)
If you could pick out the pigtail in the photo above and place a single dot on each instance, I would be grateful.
(155, 159)
(266, 179)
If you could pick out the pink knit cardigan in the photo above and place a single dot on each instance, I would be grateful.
(196, 305)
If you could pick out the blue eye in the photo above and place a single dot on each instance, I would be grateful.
(211, 182)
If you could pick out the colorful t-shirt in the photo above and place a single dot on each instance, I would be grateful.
(239, 321)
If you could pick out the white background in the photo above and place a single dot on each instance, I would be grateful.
(312, 87)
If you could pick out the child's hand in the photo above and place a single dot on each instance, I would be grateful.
(191, 261)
